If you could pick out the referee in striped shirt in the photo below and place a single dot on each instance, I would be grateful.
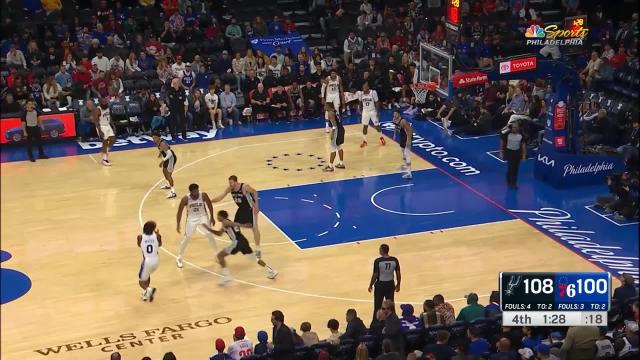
(383, 269)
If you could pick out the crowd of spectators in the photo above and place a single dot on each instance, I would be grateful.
(440, 332)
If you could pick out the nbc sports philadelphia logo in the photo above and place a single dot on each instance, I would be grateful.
(553, 35)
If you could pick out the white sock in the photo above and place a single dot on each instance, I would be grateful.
(104, 156)
(340, 162)
(364, 137)
(225, 271)
(173, 190)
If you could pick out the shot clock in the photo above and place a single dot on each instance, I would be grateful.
(555, 299)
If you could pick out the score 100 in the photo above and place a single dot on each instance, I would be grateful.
(581, 286)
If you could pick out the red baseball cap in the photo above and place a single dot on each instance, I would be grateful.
(239, 332)
(220, 345)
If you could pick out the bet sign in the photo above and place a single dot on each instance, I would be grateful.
(516, 65)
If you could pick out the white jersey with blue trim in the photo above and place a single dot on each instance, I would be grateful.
(149, 246)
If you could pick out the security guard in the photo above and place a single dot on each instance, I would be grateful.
(177, 101)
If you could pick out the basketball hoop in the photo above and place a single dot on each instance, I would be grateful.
(421, 89)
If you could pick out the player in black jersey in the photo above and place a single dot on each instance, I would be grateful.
(246, 198)
(403, 127)
(167, 164)
(337, 137)
(239, 243)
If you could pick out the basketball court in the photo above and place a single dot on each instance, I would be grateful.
(71, 224)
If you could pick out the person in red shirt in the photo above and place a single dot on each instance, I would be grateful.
(488, 7)
(82, 80)
(100, 86)
(437, 37)
(169, 7)
(288, 25)
(398, 39)
(619, 59)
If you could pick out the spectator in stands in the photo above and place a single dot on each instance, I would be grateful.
(131, 64)
(531, 339)
(472, 311)
(362, 352)
(288, 26)
(223, 66)
(63, 78)
(145, 63)
(619, 60)
(275, 26)
(629, 342)
(259, 101)
(629, 151)
(352, 44)
(221, 355)
(627, 288)
(85, 125)
(260, 27)
(590, 70)
(504, 351)
(37, 95)
(15, 57)
(334, 338)
(228, 103)
(308, 337)
(100, 60)
(408, 321)
(116, 63)
(388, 351)
(34, 56)
(198, 112)
(596, 129)
(492, 310)
(178, 67)
(444, 308)
(355, 326)
(9, 105)
(81, 82)
(430, 317)
(202, 78)
(282, 337)
(392, 327)
(280, 103)
(441, 350)
(477, 344)
(262, 347)
(52, 58)
(580, 342)
(52, 92)
(604, 347)
(233, 30)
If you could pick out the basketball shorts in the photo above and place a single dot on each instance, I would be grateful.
(240, 245)
(170, 163)
(244, 215)
(335, 99)
(370, 116)
(148, 266)
(192, 225)
(337, 140)
(107, 132)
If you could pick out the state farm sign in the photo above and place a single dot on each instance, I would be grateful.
(524, 64)
(460, 80)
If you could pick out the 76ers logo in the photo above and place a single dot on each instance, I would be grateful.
(14, 283)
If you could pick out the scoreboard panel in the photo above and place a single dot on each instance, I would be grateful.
(555, 299)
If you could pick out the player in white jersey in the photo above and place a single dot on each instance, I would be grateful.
(369, 105)
(241, 347)
(197, 216)
(239, 244)
(332, 92)
(101, 118)
(149, 243)
(215, 113)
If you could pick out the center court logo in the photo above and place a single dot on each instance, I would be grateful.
(553, 35)
(438, 152)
